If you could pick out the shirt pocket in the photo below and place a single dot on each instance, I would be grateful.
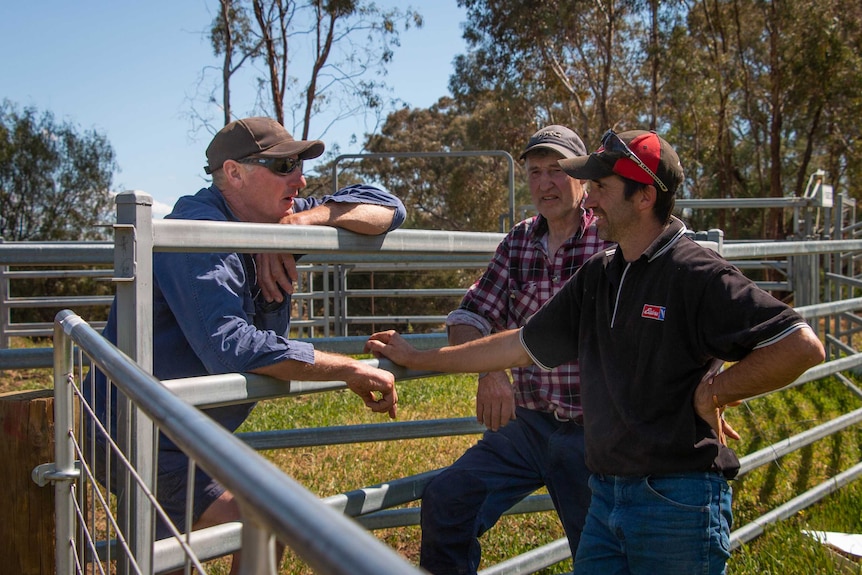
(270, 316)
(524, 300)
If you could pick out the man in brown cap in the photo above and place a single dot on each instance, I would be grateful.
(651, 322)
(226, 313)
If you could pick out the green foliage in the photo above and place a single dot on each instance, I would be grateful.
(752, 101)
(755, 96)
(54, 186)
(468, 191)
(54, 180)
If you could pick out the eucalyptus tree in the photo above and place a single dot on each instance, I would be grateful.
(589, 64)
(462, 192)
(55, 185)
(232, 37)
(307, 56)
(757, 91)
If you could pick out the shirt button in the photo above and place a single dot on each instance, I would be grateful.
(556, 278)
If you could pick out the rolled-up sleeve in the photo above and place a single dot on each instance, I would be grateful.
(466, 317)
(360, 194)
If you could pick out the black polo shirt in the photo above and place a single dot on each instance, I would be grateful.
(646, 333)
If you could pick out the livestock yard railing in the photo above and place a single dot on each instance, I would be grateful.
(328, 285)
(325, 289)
(78, 260)
(274, 506)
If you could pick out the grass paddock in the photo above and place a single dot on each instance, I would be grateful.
(782, 550)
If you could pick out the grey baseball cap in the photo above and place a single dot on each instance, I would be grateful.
(558, 138)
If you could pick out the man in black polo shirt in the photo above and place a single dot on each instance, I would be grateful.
(651, 323)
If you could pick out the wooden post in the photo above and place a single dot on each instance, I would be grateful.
(26, 510)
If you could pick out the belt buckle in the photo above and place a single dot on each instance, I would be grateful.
(577, 420)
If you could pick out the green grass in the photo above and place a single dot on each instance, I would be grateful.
(782, 549)
(329, 470)
(25, 379)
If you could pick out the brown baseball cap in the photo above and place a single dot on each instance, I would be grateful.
(258, 136)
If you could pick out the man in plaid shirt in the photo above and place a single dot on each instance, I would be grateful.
(535, 436)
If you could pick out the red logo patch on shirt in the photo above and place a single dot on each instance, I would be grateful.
(653, 312)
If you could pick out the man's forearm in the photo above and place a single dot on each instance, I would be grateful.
(326, 367)
(463, 333)
(496, 352)
(375, 386)
(367, 219)
(768, 368)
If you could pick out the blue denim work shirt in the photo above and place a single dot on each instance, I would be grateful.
(208, 315)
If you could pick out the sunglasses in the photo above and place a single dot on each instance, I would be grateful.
(280, 166)
(612, 143)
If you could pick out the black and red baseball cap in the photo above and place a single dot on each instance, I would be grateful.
(639, 155)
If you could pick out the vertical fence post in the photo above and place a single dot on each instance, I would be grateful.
(327, 275)
(26, 509)
(133, 265)
(258, 550)
(5, 312)
(64, 454)
(339, 311)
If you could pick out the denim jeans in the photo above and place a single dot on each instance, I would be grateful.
(669, 524)
(468, 498)
(171, 484)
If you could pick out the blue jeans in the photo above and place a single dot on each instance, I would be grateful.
(505, 466)
(669, 524)
(171, 484)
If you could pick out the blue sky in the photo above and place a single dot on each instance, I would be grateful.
(130, 70)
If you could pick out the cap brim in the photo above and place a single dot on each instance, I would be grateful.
(587, 167)
(302, 149)
(565, 152)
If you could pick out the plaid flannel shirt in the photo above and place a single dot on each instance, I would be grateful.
(520, 278)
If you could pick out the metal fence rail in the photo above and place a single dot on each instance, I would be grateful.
(26, 254)
(169, 406)
(273, 504)
(336, 258)
(314, 269)
(370, 505)
(333, 272)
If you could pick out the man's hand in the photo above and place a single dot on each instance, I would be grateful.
(376, 387)
(275, 272)
(495, 400)
(705, 407)
(391, 345)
